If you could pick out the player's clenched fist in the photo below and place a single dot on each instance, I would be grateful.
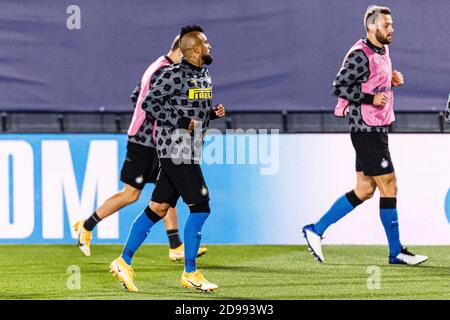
(192, 125)
(219, 110)
(380, 99)
(397, 78)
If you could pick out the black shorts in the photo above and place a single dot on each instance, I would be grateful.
(140, 166)
(175, 180)
(372, 153)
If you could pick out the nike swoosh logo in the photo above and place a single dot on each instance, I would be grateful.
(193, 284)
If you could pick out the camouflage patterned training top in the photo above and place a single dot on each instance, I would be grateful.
(180, 93)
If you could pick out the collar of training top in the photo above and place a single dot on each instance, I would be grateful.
(168, 59)
(190, 65)
(374, 47)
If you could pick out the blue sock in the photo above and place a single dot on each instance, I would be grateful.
(340, 208)
(138, 233)
(192, 238)
(389, 218)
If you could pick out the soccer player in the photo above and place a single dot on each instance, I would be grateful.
(447, 110)
(140, 166)
(180, 100)
(364, 88)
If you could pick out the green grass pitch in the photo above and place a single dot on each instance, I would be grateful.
(242, 272)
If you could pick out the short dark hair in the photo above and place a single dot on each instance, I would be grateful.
(190, 28)
(372, 12)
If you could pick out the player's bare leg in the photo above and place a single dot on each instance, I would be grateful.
(113, 204)
(387, 184)
(171, 219)
(365, 186)
(123, 198)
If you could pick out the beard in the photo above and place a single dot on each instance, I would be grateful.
(382, 39)
(207, 59)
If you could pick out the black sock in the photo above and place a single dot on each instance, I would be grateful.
(91, 222)
(174, 238)
(353, 198)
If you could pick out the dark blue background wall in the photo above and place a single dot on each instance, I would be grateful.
(269, 55)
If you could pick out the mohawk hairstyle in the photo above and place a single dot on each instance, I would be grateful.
(372, 14)
(191, 28)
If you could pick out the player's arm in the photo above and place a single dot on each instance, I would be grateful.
(158, 99)
(347, 84)
(218, 111)
(397, 78)
(135, 94)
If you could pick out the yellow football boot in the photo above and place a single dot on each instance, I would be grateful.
(123, 271)
(197, 281)
(84, 238)
(177, 254)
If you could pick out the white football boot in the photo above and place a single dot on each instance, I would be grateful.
(314, 242)
(406, 257)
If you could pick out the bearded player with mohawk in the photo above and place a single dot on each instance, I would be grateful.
(364, 90)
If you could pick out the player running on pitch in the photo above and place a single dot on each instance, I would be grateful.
(447, 110)
(180, 100)
(364, 88)
(140, 166)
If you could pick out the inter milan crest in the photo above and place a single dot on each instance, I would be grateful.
(139, 179)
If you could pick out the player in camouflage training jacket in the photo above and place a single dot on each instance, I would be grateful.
(180, 98)
(141, 165)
